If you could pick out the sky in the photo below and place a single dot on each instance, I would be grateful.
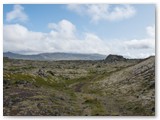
(123, 29)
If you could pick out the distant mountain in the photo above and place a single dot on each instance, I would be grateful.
(55, 56)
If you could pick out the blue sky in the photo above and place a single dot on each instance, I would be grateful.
(111, 24)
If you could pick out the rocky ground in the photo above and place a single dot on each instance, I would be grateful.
(112, 87)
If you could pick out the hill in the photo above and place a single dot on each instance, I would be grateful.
(55, 56)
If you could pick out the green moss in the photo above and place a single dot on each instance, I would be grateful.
(95, 106)
(57, 93)
(17, 77)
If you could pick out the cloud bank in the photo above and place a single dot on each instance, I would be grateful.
(100, 12)
(63, 38)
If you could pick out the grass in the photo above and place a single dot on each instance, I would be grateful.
(95, 105)
(57, 93)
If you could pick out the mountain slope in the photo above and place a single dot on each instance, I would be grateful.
(56, 56)
(135, 85)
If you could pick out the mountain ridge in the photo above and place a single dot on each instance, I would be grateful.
(56, 56)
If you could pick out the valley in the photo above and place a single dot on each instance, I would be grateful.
(114, 86)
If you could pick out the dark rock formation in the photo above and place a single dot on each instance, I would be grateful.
(114, 58)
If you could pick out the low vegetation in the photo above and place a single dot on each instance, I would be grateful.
(79, 88)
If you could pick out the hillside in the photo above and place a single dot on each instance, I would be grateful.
(55, 56)
(121, 88)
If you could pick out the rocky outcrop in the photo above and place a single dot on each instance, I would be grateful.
(114, 58)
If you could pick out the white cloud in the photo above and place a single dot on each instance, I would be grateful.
(146, 43)
(19, 38)
(62, 38)
(151, 31)
(103, 11)
(17, 14)
(140, 44)
(64, 27)
(136, 48)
